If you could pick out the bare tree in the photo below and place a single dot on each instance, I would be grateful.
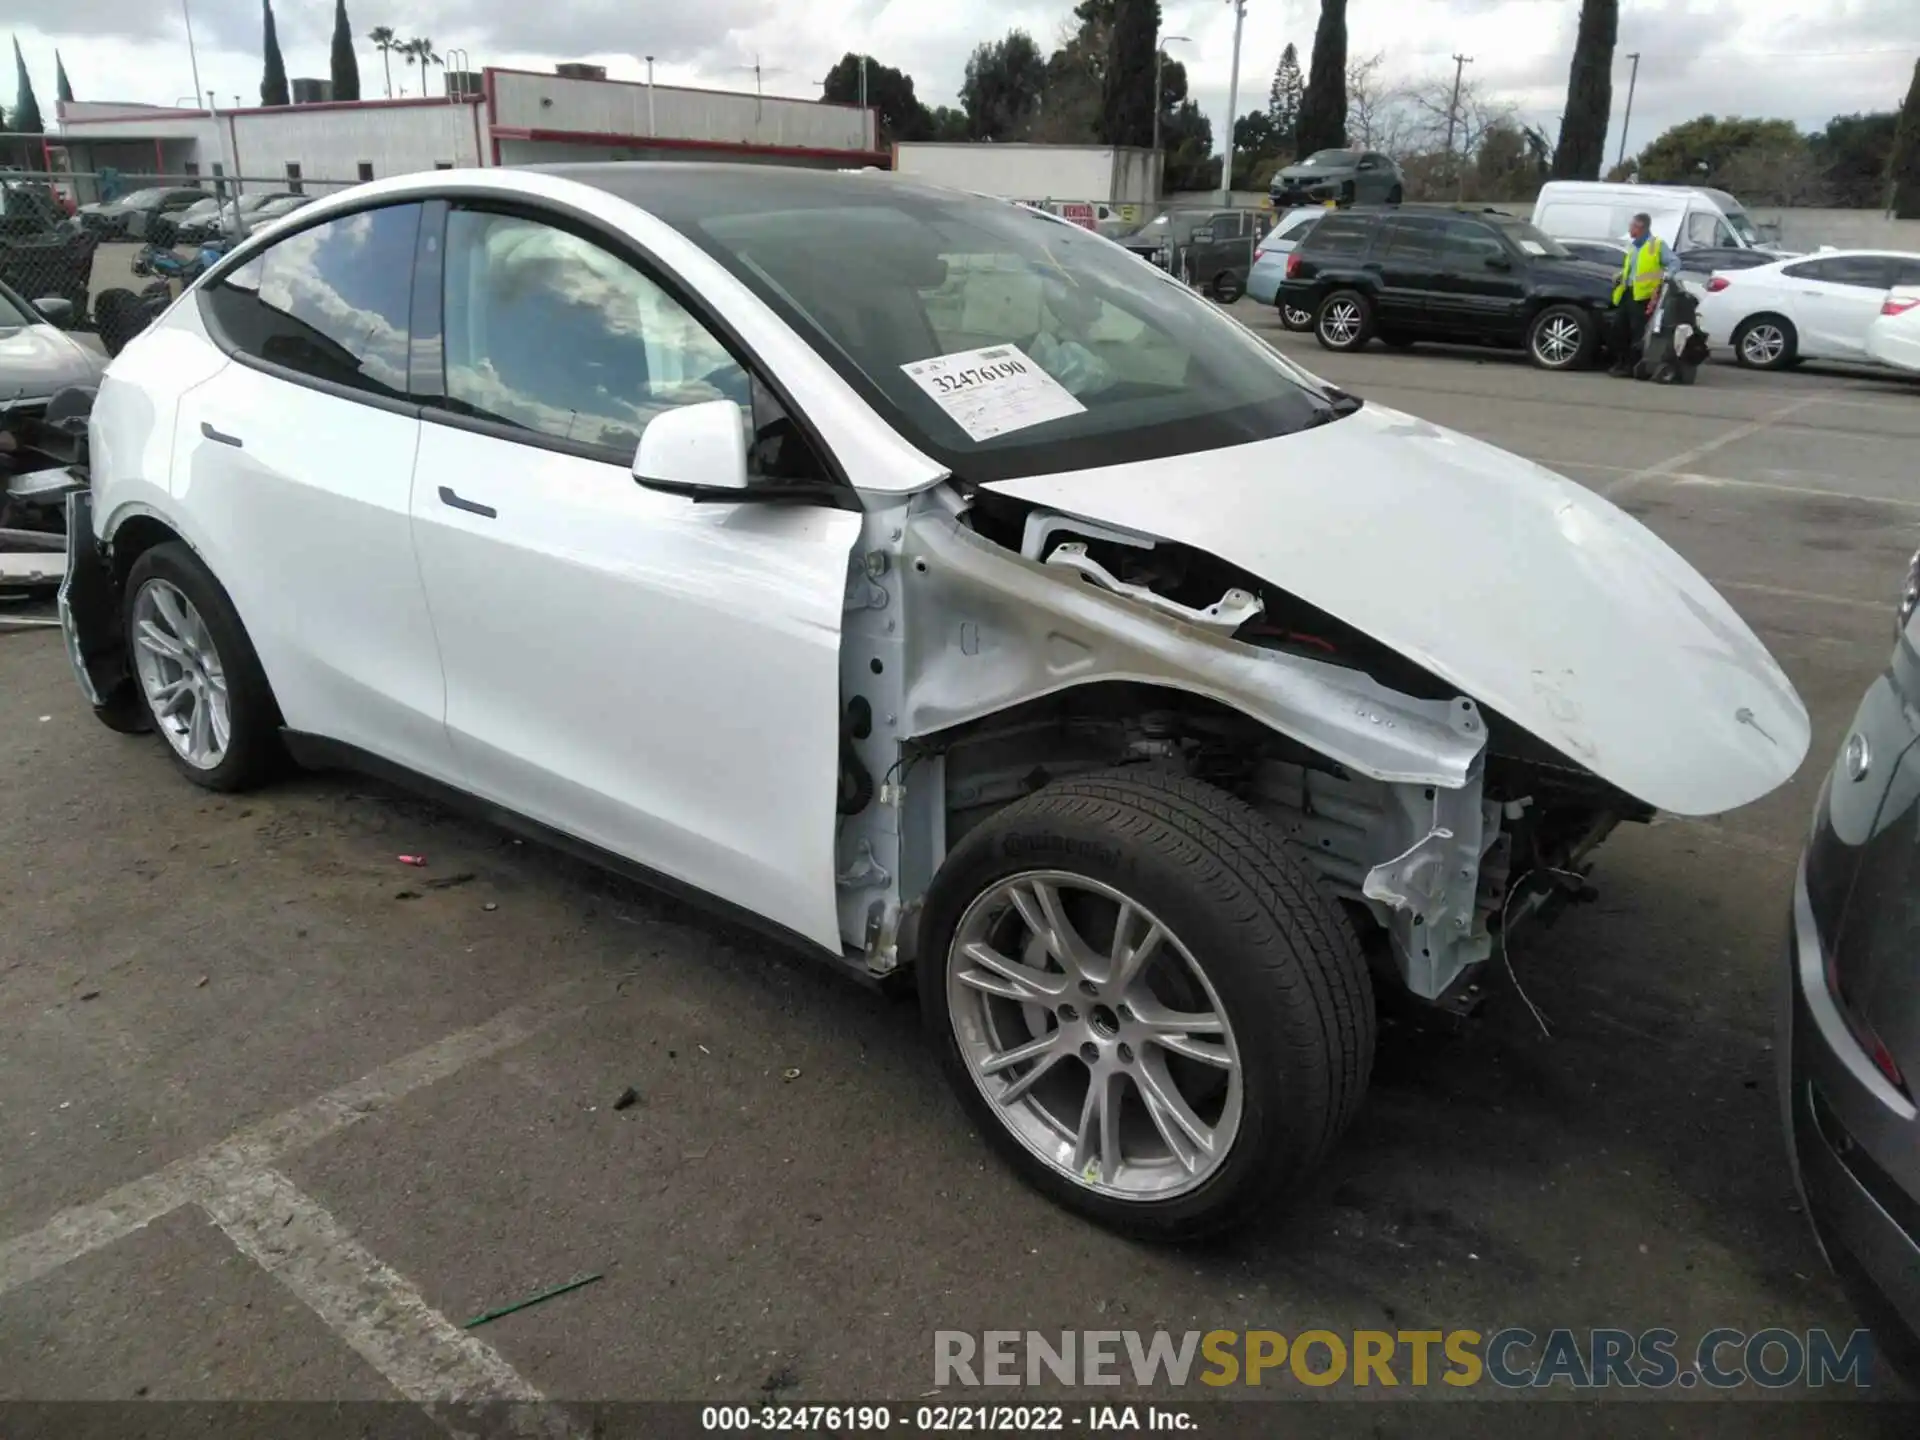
(1374, 121)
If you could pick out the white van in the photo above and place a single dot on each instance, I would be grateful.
(1683, 216)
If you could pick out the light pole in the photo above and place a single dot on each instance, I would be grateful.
(1627, 119)
(1159, 60)
(650, 95)
(1233, 101)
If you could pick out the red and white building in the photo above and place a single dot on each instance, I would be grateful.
(517, 117)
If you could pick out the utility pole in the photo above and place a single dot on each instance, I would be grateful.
(650, 129)
(1460, 63)
(1233, 101)
(1628, 118)
(1159, 62)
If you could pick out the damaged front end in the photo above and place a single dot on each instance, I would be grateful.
(992, 647)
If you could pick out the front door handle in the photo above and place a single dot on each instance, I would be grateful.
(474, 507)
(219, 435)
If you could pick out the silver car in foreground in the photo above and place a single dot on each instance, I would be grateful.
(1850, 1025)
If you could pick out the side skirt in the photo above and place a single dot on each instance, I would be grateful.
(318, 752)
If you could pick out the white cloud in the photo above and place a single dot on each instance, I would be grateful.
(1764, 57)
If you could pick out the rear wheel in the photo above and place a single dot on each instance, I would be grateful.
(1562, 337)
(1145, 1002)
(1345, 321)
(1393, 196)
(198, 675)
(1766, 342)
(1226, 287)
(1295, 319)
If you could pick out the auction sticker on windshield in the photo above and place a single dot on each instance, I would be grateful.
(992, 391)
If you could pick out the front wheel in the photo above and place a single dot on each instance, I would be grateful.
(1226, 287)
(1562, 337)
(1145, 1001)
(1345, 321)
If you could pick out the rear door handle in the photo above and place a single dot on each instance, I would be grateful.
(474, 507)
(219, 435)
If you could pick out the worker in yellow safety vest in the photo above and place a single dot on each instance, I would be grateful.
(1647, 262)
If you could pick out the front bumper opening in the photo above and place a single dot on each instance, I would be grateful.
(90, 608)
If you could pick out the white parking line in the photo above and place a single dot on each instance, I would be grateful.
(1613, 489)
(1884, 607)
(1686, 477)
(133, 1206)
(366, 1303)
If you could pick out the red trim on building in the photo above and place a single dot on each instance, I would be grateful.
(412, 102)
(662, 142)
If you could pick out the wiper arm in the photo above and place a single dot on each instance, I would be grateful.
(1338, 405)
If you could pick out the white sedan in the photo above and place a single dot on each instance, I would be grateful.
(1894, 337)
(929, 582)
(1813, 307)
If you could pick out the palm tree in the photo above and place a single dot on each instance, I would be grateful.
(420, 52)
(386, 42)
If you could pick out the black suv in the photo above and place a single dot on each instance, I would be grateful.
(1439, 272)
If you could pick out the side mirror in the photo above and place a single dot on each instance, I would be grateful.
(55, 310)
(1365, 165)
(1203, 236)
(1499, 262)
(698, 451)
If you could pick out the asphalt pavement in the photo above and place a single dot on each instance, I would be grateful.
(278, 1113)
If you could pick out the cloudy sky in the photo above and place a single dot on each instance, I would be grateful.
(1750, 57)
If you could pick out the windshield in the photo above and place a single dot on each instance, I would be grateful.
(1329, 159)
(999, 341)
(1744, 227)
(1535, 241)
(14, 311)
(141, 198)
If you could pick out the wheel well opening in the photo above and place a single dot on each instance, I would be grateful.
(134, 538)
(998, 759)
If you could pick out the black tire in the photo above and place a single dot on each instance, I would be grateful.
(1394, 196)
(1276, 949)
(1563, 337)
(254, 753)
(1296, 320)
(1344, 321)
(1226, 287)
(1753, 335)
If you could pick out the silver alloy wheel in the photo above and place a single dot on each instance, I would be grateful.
(181, 674)
(1298, 319)
(1557, 342)
(1340, 322)
(1113, 1063)
(1763, 344)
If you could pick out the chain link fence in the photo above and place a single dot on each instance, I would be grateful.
(79, 237)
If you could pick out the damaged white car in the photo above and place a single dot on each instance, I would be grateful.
(930, 582)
